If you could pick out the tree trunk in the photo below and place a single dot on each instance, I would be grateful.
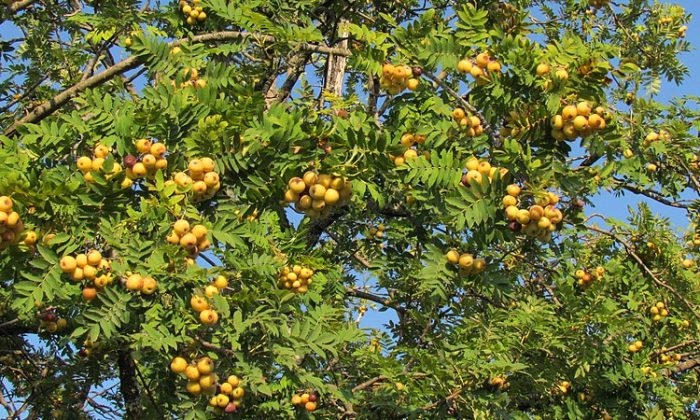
(128, 385)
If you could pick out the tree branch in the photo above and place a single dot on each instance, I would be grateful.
(132, 62)
(20, 5)
(649, 193)
(350, 291)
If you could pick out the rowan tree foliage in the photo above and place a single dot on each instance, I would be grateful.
(231, 186)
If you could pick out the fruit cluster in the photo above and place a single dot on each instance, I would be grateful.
(87, 164)
(90, 266)
(584, 278)
(478, 170)
(466, 262)
(306, 400)
(191, 79)
(151, 158)
(656, 136)
(202, 177)
(200, 304)
(669, 358)
(499, 382)
(203, 380)
(410, 142)
(635, 347)
(51, 322)
(137, 283)
(193, 12)
(539, 220)
(296, 278)
(480, 68)
(579, 120)
(469, 123)
(193, 240)
(395, 79)
(376, 232)
(316, 194)
(658, 311)
(11, 225)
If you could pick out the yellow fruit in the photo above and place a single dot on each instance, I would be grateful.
(205, 365)
(513, 190)
(412, 84)
(139, 170)
(178, 365)
(569, 113)
(297, 185)
(331, 196)
(193, 388)
(310, 406)
(211, 290)
(134, 282)
(81, 260)
(89, 272)
(317, 191)
(84, 163)
(464, 66)
(67, 264)
(509, 201)
(208, 316)
(687, 263)
(523, 216)
(452, 256)
(238, 392)
(233, 381)
(466, 260)
(94, 257)
(472, 164)
(561, 74)
(296, 400)
(580, 123)
(221, 282)
(173, 238)
(144, 145)
(149, 285)
(192, 373)
(651, 167)
(512, 213)
(198, 303)
(30, 238)
(222, 400)
(5, 204)
(199, 232)
(542, 69)
(226, 388)
(181, 227)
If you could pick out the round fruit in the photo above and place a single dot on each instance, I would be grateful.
(238, 392)
(208, 316)
(134, 282)
(178, 365)
(198, 303)
(310, 406)
(192, 373)
(233, 381)
(452, 256)
(149, 285)
(68, 264)
(221, 282)
(89, 293)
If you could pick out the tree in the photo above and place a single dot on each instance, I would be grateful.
(201, 201)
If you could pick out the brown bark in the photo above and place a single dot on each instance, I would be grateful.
(128, 384)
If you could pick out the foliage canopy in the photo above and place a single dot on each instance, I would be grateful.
(482, 128)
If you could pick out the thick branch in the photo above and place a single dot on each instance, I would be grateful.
(20, 5)
(132, 62)
(651, 194)
(128, 385)
(374, 298)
